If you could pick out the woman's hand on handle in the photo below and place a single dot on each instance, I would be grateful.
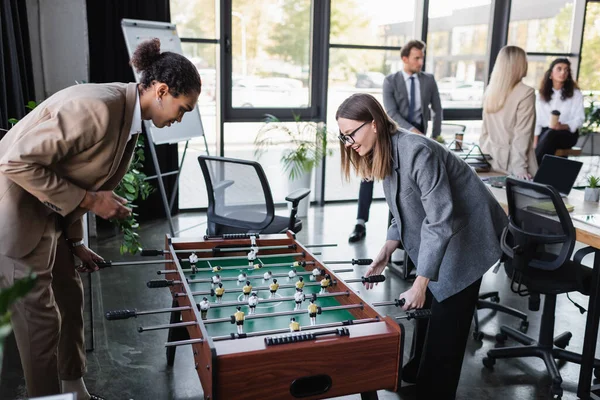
(380, 262)
(415, 296)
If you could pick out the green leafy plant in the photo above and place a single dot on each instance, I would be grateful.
(305, 142)
(30, 106)
(591, 123)
(593, 181)
(7, 297)
(133, 186)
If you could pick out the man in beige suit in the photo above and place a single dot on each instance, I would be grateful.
(61, 160)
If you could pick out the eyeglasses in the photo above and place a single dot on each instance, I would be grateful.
(349, 138)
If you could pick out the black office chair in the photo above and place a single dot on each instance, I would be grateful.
(539, 241)
(240, 199)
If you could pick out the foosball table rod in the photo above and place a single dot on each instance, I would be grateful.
(282, 275)
(165, 326)
(300, 264)
(184, 342)
(320, 310)
(360, 261)
(166, 283)
(160, 252)
(133, 313)
(303, 328)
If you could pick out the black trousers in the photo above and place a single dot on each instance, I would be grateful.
(365, 193)
(439, 343)
(551, 140)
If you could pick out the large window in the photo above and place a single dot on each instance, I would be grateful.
(365, 41)
(456, 50)
(195, 20)
(589, 69)
(270, 50)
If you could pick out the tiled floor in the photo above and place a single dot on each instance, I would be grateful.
(126, 364)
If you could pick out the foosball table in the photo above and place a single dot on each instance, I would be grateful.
(267, 320)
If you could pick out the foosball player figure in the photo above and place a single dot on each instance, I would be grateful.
(267, 276)
(300, 283)
(273, 288)
(246, 290)
(239, 320)
(193, 260)
(252, 302)
(251, 258)
(219, 292)
(294, 326)
(217, 268)
(297, 264)
(315, 272)
(312, 312)
(292, 273)
(258, 265)
(242, 277)
(325, 283)
(216, 279)
(204, 306)
(298, 298)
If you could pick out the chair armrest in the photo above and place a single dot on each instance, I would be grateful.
(581, 253)
(223, 185)
(296, 196)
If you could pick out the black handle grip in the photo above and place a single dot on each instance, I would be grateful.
(120, 314)
(373, 279)
(104, 264)
(418, 314)
(400, 302)
(151, 253)
(231, 236)
(362, 261)
(159, 283)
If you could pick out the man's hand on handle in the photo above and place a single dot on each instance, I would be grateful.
(88, 258)
(106, 204)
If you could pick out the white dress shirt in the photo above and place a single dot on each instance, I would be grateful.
(571, 110)
(136, 122)
(417, 110)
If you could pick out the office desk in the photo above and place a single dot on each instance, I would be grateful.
(589, 235)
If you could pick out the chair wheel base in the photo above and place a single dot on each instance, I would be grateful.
(495, 299)
(489, 362)
(501, 337)
(524, 326)
(478, 336)
(556, 392)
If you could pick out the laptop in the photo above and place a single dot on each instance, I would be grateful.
(558, 172)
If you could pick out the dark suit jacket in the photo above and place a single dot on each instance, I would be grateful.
(395, 101)
(448, 220)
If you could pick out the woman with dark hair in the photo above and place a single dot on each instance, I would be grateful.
(559, 110)
(448, 222)
(61, 160)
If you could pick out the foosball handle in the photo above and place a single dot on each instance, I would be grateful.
(159, 283)
(231, 236)
(373, 279)
(120, 314)
(400, 302)
(362, 261)
(104, 264)
(418, 314)
(151, 253)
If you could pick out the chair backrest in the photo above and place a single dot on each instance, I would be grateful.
(540, 233)
(239, 195)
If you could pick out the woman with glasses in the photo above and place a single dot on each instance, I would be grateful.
(448, 222)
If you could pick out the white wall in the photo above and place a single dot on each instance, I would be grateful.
(59, 44)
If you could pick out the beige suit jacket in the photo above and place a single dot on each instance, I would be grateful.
(507, 135)
(76, 140)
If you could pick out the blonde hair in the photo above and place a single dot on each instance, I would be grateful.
(510, 68)
(377, 164)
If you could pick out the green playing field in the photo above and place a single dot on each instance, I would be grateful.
(233, 292)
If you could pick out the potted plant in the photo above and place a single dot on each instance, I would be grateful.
(590, 128)
(7, 297)
(592, 191)
(304, 145)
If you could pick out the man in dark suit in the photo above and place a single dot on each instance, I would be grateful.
(410, 97)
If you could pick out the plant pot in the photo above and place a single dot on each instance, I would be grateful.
(591, 194)
(300, 183)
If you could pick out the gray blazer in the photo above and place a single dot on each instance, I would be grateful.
(395, 100)
(448, 220)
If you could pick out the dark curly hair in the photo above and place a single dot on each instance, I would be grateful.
(171, 68)
(546, 84)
